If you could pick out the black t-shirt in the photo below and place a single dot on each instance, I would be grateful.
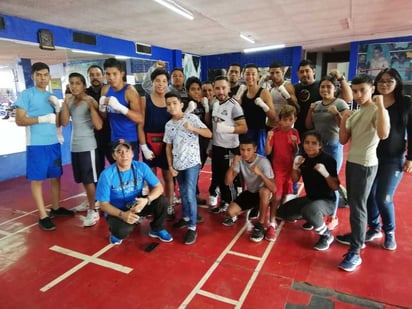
(400, 114)
(316, 186)
(306, 94)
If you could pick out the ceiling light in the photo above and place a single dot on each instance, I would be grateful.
(120, 57)
(247, 38)
(86, 52)
(173, 6)
(258, 49)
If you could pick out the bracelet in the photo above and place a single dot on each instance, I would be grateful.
(120, 214)
(149, 201)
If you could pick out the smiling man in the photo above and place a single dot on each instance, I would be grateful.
(120, 193)
(121, 103)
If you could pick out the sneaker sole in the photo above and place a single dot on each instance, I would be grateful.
(89, 224)
(389, 248)
(378, 236)
(47, 229)
(256, 239)
(350, 269)
(160, 238)
(307, 228)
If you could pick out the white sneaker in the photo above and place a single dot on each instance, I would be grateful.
(212, 200)
(91, 218)
(96, 214)
(82, 207)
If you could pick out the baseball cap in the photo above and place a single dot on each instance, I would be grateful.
(120, 142)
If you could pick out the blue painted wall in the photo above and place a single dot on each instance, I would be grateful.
(290, 56)
(26, 30)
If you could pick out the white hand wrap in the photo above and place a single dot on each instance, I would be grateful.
(321, 169)
(240, 91)
(49, 118)
(147, 153)
(55, 102)
(102, 106)
(284, 92)
(191, 107)
(205, 103)
(221, 127)
(115, 104)
(259, 102)
(297, 162)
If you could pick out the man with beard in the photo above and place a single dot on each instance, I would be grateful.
(96, 79)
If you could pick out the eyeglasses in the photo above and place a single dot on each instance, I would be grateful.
(388, 82)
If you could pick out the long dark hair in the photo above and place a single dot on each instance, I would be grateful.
(398, 91)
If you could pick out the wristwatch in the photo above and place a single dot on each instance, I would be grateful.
(149, 201)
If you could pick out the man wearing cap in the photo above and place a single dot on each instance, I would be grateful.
(119, 191)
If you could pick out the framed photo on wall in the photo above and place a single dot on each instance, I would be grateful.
(372, 58)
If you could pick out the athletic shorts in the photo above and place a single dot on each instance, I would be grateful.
(44, 161)
(247, 200)
(283, 183)
(85, 166)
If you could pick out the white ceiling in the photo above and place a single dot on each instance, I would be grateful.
(317, 25)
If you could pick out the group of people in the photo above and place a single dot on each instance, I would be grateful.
(262, 135)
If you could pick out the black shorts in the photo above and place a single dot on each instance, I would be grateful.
(247, 200)
(85, 167)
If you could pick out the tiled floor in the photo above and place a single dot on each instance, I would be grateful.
(75, 267)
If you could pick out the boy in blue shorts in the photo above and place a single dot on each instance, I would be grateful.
(38, 110)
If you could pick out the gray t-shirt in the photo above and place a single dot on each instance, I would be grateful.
(325, 122)
(254, 182)
(82, 128)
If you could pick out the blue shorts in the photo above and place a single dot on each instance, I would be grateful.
(44, 161)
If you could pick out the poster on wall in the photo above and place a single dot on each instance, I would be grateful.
(191, 65)
(372, 58)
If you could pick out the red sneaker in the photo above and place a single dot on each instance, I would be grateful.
(270, 233)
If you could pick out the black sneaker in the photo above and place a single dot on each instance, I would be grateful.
(222, 208)
(199, 219)
(190, 237)
(373, 234)
(229, 221)
(61, 212)
(200, 201)
(254, 213)
(346, 239)
(180, 224)
(258, 232)
(46, 224)
(324, 242)
(390, 242)
(307, 226)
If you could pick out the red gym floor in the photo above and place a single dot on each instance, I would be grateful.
(75, 267)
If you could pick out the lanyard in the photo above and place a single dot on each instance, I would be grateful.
(121, 181)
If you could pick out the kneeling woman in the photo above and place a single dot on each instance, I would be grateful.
(318, 171)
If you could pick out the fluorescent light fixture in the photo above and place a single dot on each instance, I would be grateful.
(79, 51)
(263, 48)
(121, 57)
(247, 38)
(173, 6)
